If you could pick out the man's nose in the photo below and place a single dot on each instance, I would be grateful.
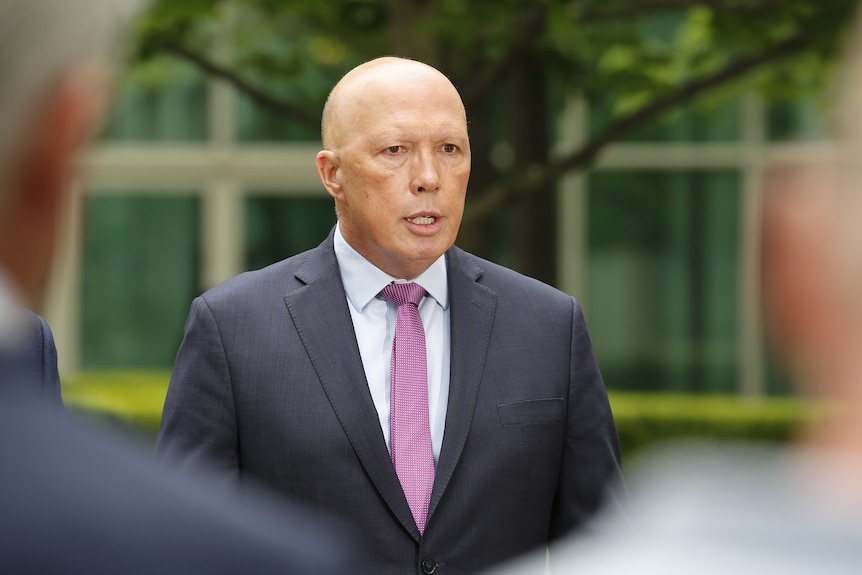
(426, 172)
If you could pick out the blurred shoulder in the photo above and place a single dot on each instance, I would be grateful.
(39, 328)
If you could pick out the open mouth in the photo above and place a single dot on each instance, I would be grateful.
(422, 220)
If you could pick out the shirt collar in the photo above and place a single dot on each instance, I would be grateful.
(363, 280)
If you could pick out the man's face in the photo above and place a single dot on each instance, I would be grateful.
(403, 162)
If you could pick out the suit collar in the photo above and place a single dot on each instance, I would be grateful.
(473, 306)
(318, 307)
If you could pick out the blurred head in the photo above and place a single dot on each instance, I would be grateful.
(55, 63)
(812, 270)
(813, 250)
(396, 161)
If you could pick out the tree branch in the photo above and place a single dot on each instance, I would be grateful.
(260, 97)
(498, 196)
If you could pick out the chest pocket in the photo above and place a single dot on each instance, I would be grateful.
(532, 411)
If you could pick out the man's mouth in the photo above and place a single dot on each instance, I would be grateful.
(422, 220)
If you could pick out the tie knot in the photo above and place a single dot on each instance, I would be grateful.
(402, 293)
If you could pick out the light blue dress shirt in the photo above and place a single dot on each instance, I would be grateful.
(374, 325)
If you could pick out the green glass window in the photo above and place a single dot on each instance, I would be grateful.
(790, 120)
(663, 281)
(140, 275)
(306, 90)
(279, 227)
(256, 124)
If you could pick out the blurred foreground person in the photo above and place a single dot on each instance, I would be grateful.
(755, 509)
(41, 354)
(30, 356)
(73, 501)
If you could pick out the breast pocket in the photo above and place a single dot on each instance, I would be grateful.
(532, 411)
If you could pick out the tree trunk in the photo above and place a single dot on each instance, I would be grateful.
(535, 224)
(406, 36)
(477, 237)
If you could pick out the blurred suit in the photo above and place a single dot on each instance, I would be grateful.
(74, 501)
(40, 355)
(30, 359)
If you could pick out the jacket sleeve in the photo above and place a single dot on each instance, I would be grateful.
(591, 473)
(199, 425)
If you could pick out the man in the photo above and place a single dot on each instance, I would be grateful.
(290, 375)
(74, 501)
(758, 509)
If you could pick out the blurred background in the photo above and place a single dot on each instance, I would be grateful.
(618, 154)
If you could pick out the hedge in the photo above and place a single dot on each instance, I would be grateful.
(644, 420)
(135, 399)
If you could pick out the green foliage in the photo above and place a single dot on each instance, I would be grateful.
(157, 73)
(642, 419)
(190, 19)
(626, 53)
(638, 61)
(645, 420)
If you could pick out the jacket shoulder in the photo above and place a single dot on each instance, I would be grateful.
(504, 281)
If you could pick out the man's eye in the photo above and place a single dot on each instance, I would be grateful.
(393, 149)
(449, 148)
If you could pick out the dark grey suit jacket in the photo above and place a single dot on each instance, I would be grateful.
(269, 384)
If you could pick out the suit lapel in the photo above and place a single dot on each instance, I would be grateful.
(318, 306)
(471, 317)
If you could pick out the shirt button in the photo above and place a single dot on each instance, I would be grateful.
(429, 566)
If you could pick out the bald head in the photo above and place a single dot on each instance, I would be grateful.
(382, 82)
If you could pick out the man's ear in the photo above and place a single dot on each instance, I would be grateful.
(327, 169)
(41, 177)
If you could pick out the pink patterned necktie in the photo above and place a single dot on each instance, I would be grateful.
(410, 431)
